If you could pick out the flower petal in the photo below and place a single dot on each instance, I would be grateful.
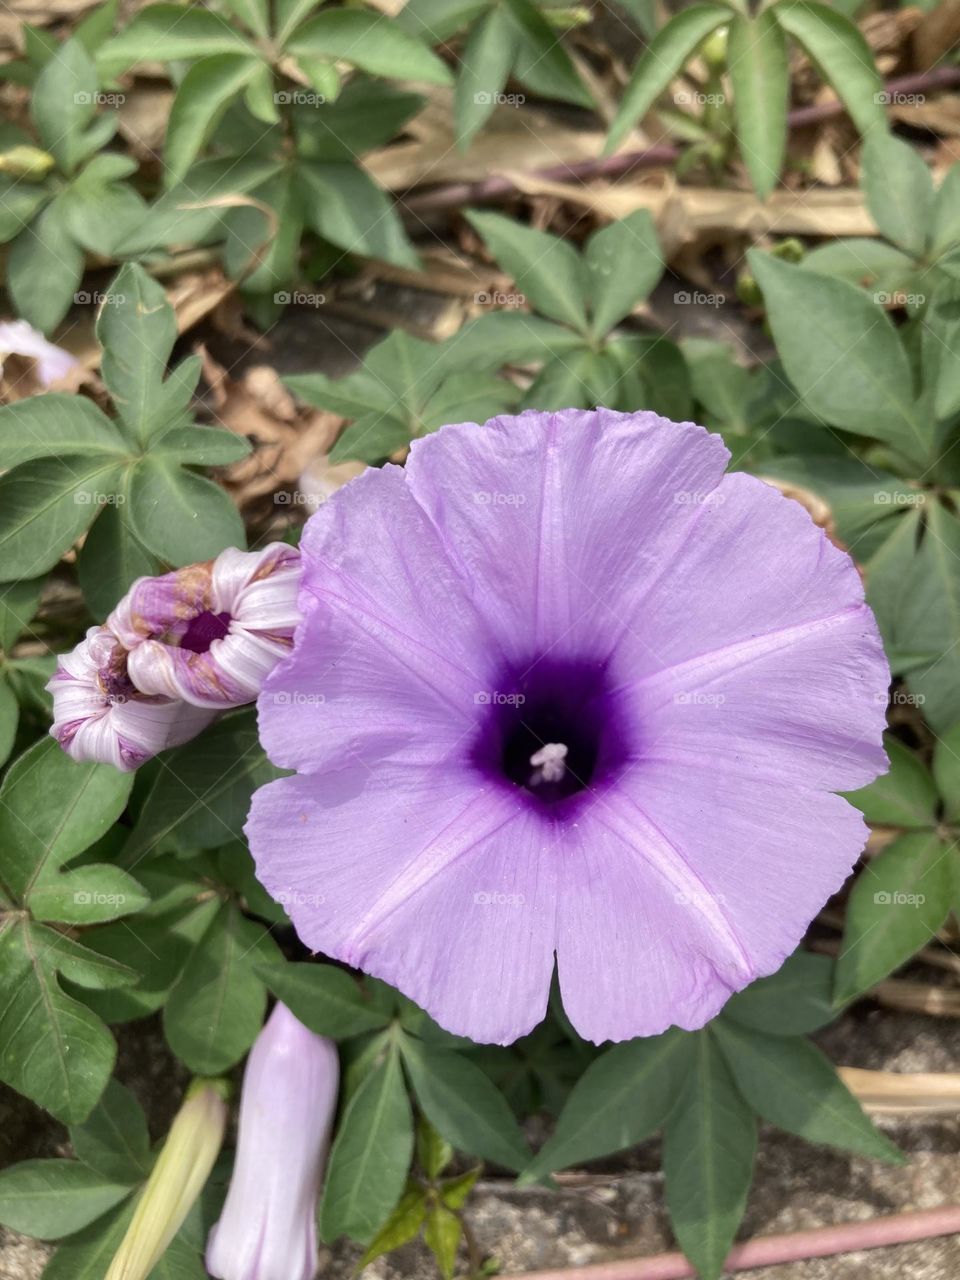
(554, 519)
(444, 889)
(390, 652)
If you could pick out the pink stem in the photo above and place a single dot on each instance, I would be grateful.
(768, 1251)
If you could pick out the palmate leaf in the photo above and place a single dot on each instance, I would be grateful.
(667, 52)
(370, 1156)
(843, 356)
(52, 1048)
(547, 269)
(757, 58)
(708, 1153)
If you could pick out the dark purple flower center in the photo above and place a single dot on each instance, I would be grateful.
(203, 630)
(552, 728)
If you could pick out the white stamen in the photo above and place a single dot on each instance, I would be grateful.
(549, 763)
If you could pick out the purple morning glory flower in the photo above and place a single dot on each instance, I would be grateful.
(564, 690)
(267, 1230)
(209, 633)
(98, 713)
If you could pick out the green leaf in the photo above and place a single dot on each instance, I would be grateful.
(757, 61)
(945, 232)
(52, 1049)
(872, 264)
(462, 1103)
(899, 901)
(468, 397)
(667, 52)
(18, 604)
(182, 517)
(50, 1199)
(64, 101)
(55, 424)
(113, 1140)
(204, 94)
(899, 190)
(434, 1153)
(343, 204)
(137, 329)
(842, 355)
(708, 1153)
(370, 1156)
(904, 797)
(547, 269)
(623, 263)
(792, 1085)
(795, 1000)
(371, 41)
(9, 718)
(540, 60)
(484, 67)
(113, 556)
(623, 1096)
(44, 268)
(99, 215)
(325, 999)
(202, 795)
(946, 771)
(201, 446)
(402, 1225)
(441, 1234)
(254, 14)
(87, 1256)
(51, 809)
(840, 51)
(44, 507)
(217, 1005)
(162, 32)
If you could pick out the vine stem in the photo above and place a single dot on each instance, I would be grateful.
(769, 1251)
(499, 185)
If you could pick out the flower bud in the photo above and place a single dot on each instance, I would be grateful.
(29, 163)
(267, 1230)
(210, 633)
(176, 1180)
(98, 713)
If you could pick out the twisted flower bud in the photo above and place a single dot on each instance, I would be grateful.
(176, 1180)
(267, 1230)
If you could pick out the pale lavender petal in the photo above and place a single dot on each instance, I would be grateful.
(98, 714)
(267, 1229)
(439, 856)
(18, 338)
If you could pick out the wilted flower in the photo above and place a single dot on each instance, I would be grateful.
(211, 632)
(19, 339)
(267, 1230)
(564, 689)
(175, 1181)
(98, 714)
